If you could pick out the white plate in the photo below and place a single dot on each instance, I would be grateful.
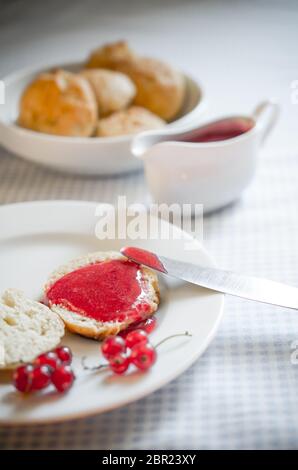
(36, 238)
(81, 155)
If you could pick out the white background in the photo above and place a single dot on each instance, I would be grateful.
(242, 51)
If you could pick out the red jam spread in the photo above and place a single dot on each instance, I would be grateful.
(111, 290)
(148, 325)
(220, 130)
(144, 257)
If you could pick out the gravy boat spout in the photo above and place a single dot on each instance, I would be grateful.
(144, 141)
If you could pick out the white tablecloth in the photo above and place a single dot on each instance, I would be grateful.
(242, 393)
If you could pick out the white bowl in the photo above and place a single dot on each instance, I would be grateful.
(81, 155)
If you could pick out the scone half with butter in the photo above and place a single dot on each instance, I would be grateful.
(102, 293)
(27, 329)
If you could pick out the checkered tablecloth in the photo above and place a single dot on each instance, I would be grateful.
(242, 393)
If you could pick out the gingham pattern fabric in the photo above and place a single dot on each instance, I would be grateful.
(242, 393)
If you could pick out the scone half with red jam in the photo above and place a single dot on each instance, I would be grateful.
(102, 293)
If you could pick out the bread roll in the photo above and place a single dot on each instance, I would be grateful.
(129, 121)
(59, 103)
(160, 88)
(114, 91)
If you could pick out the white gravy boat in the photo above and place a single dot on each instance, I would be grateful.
(211, 164)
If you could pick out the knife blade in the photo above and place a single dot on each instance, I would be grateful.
(220, 280)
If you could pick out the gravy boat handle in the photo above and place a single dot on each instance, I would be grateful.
(266, 114)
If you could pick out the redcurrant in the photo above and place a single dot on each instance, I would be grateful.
(64, 354)
(149, 325)
(22, 378)
(41, 377)
(119, 363)
(63, 378)
(48, 359)
(143, 356)
(112, 346)
(136, 337)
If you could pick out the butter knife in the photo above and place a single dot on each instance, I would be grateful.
(227, 282)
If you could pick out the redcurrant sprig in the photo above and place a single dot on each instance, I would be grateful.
(51, 367)
(134, 348)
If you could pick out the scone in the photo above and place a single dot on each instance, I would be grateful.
(110, 55)
(113, 90)
(160, 88)
(102, 293)
(130, 121)
(60, 103)
(27, 329)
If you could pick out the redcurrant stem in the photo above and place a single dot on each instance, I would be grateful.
(186, 333)
(86, 367)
